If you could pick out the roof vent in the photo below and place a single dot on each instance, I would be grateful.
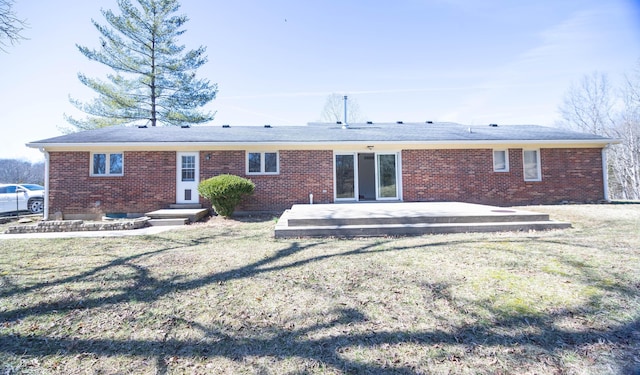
(339, 122)
(185, 126)
(493, 125)
(267, 126)
(369, 122)
(142, 126)
(226, 126)
(399, 122)
(429, 122)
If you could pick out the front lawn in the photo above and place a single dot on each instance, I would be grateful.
(225, 297)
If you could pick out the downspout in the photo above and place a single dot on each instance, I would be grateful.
(605, 173)
(45, 215)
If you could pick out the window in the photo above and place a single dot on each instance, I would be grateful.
(188, 168)
(531, 165)
(262, 163)
(500, 160)
(106, 164)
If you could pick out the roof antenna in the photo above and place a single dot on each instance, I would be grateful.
(346, 125)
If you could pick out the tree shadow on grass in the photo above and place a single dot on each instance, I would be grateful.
(301, 342)
(327, 350)
(116, 262)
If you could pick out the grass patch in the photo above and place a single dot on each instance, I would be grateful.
(226, 297)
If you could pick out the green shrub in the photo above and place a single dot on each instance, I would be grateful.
(225, 192)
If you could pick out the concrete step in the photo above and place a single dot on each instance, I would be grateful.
(191, 214)
(284, 231)
(391, 220)
(167, 222)
(185, 206)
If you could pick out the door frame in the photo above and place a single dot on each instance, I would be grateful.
(356, 184)
(183, 186)
(398, 176)
(354, 155)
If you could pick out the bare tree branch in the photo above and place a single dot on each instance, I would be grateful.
(334, 109)
(590, 106)
(10, 25)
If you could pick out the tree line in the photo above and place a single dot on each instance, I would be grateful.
(14, 171)
(595, 106)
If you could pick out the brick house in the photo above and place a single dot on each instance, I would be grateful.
(135, 170)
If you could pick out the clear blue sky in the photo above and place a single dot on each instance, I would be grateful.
(473, 62)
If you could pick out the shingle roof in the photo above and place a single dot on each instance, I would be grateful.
(321, 133)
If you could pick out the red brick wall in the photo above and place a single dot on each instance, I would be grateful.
(301, 173)
(428, 175)
(149, 183)
(467, 176)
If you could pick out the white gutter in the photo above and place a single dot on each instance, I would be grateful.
(83, 146)
(605, 173)
(45, 214)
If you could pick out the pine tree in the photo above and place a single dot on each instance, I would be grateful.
(154, 79)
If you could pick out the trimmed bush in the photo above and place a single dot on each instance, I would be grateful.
(225, 192)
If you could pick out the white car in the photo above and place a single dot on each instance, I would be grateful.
(23, 197)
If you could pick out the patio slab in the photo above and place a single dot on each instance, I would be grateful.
(406, 218)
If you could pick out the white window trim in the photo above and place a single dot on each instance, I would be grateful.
(262, 164)
(506, 160)
(538, 165)
(108, 164)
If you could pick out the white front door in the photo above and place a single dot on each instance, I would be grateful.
(188, 177)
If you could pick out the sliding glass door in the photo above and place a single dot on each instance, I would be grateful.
(387, 176)
(345, 176)
(366, 176)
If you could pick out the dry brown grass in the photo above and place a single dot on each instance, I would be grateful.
(225, 297)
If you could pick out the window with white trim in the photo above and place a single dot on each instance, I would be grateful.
(501, 160)
(107, 164)
(531, 165)
(263, 163)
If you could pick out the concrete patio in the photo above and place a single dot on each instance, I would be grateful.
(401, 219)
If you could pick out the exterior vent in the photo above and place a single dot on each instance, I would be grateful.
(493, 125)
(267, 126)
(399, 122)
(429, 122)
(142, 126)
(226, 126)
(369, 122)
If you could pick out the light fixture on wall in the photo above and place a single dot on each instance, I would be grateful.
(208, 157)
(370, 147)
